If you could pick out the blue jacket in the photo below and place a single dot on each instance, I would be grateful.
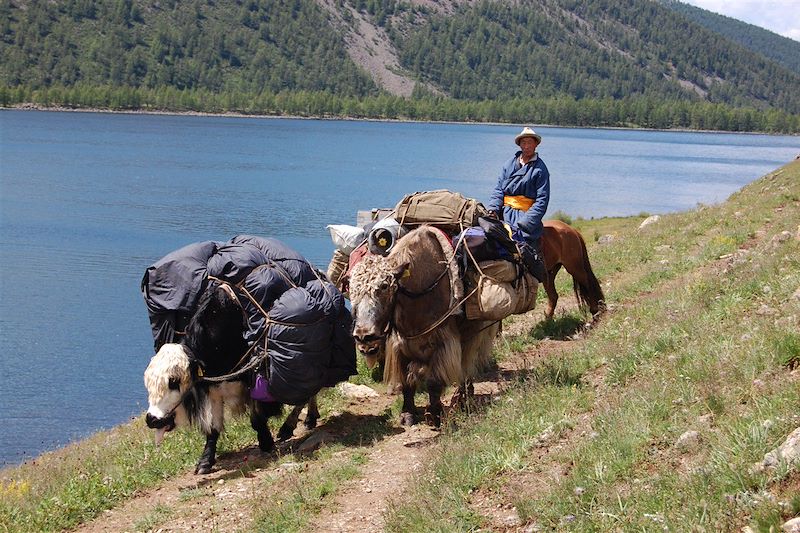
(532, 181)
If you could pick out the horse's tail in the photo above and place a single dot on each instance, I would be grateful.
(588, 292)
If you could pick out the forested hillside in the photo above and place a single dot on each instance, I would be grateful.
(227, 45)
(595, 48)
(572, 62)
(776, 47)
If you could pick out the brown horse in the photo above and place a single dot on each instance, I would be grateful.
(409, 305)
(563, 245)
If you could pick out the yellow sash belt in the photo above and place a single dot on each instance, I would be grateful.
(518, 202)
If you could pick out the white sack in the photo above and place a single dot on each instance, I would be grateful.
(346, 238)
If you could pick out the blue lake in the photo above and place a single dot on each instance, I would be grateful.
(88, 201)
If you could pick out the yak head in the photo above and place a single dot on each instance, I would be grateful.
(168, 380)
(373, 287)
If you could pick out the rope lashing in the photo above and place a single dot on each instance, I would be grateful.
(256, 361)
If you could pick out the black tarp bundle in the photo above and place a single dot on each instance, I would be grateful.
(307, 324)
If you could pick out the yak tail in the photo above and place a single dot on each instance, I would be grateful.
(588, 291)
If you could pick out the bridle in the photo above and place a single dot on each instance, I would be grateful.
(405, 292)
(391, 324)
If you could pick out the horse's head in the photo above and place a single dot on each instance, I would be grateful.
(373, 286)
(168, 378)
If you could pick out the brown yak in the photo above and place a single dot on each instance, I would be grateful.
(410, 304)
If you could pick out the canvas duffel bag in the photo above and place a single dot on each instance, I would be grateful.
(447, 210)
(501, 291)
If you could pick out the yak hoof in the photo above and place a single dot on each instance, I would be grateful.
(407, 419)
(310, 423)
(204, 467)
(285, 433)
(433, 419)
(265, 442)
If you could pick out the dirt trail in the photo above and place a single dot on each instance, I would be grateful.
(220, 501)
(359, 506)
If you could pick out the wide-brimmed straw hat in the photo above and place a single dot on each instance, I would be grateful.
(527, 132)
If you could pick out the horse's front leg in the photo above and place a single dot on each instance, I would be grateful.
(433, 413)
(550, 289)
(209, 456)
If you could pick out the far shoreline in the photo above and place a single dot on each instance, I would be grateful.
(63, 109)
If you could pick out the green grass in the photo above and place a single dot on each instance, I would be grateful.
(65, 488)
(560, 327)
(70, 486)
(307, 494)
(154, 518)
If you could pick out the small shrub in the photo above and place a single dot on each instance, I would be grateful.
(562, 216)
(788, 350)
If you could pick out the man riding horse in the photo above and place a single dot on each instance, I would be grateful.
(521, 196)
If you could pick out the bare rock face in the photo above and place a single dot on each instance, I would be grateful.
(688, 440)
(789, 451)
(605, 239)
(351, 390)
(370, 47)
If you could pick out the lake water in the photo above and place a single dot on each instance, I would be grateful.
(88, 201)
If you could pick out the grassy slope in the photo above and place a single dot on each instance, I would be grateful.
(702, 328)
(702, 335)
